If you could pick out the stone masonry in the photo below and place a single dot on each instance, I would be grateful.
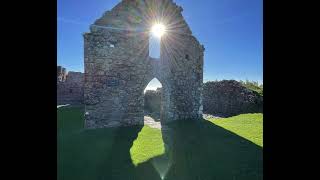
(69, 87)
(61, 74)
(229, 98)
(118, 66)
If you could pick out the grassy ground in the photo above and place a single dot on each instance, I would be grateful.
(248, 126)
(204, 150)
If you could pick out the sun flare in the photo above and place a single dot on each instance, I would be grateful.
(158, 30)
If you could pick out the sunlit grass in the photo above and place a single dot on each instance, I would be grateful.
(248, 126)
(149, 144)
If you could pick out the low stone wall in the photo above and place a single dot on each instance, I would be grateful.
(70, 91)
(229, 97)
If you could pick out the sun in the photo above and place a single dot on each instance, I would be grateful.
(158, 30)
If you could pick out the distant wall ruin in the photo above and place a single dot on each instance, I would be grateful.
(69, 87)
(61, 74)
(229, 98)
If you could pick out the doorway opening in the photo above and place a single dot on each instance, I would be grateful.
(153, 102)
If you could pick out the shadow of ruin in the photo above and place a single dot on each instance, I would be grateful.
(193, 150)
(209, 152)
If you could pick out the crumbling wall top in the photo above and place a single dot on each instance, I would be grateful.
(75, 77)
(140, 15)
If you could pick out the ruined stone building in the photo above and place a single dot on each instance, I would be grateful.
(69, 87)
(118, 66)
(61, 74)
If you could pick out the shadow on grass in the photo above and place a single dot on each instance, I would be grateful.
(100, 154)
(195, 150)
(202, 150)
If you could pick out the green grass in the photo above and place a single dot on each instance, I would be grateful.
(148, 144)
(254, 88)
(186, 150)
(248, 126)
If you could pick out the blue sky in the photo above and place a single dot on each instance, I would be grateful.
(230, 30)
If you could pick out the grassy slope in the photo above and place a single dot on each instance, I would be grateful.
(248, 126)
(188, 150)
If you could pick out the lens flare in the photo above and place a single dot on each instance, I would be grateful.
(158, 30)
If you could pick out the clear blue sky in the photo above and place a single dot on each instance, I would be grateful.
(230, 30)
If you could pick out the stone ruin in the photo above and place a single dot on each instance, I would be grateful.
(220, 99)
(69, 87)
(229, 98)
(61, 74)
(152, 101)
(118, 66)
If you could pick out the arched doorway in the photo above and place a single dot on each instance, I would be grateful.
(152, 102)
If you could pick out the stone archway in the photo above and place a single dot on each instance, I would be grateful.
(165, 99)
(153, 101)
(118, 66)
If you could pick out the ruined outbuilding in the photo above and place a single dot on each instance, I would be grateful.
(118, 66)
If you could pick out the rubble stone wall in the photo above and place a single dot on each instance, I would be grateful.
(70, 90)
(229, 97)
(118, 66)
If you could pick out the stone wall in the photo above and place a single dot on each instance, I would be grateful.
(61, 74)
(70, 89)
(118, 66)
(152, 101)
(228, 98)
